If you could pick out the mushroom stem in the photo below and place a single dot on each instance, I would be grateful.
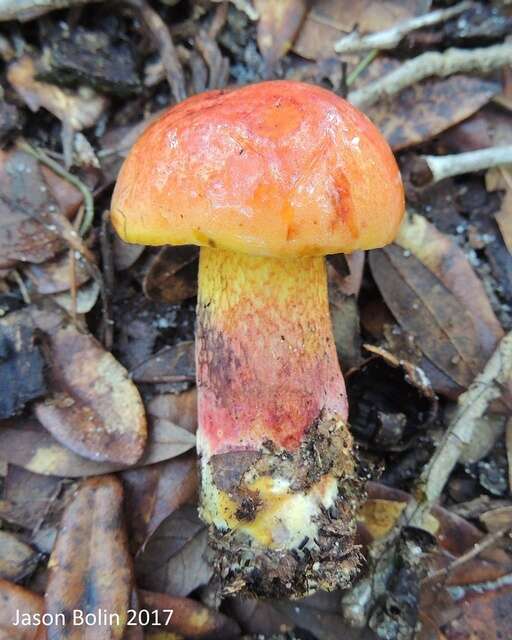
(277, 485)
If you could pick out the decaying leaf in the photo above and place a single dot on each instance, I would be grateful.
(27, 193)
(277, 27)
(21, 364)
(154, 492)
(190, 618)
(500, 178)
(90, 567)
(94, 408)
(26, 444)
(391, 401)
(424, 110)
(180, 408)
(432, 291)
(482, 615)
(125, 255)
(55, 276)
(17, 559)
(344, 311)
(15, 600)
(171, 364)
(27, 497)
(79, 110)
(173, 560)
(172, 274)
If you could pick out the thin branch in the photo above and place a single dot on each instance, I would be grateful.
(487, 541)
(486, 387)
(389, 38)
(432, 169)
(69, 177)
(429, 64)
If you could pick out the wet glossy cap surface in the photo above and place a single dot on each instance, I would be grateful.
(276, 168)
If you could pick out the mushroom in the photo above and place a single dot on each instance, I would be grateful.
(267, 179)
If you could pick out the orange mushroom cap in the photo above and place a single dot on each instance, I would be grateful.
(273, 169)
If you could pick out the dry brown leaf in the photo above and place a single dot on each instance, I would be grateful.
(424, 110)
(55, 276)
(79, 110)
(15, 600)
(125, 255)
(482, 615)
(94, 408)
(86, 298)
(180, 408)
(174, 559)
(22, 367)
(171, 364)
(17, 559)
(278, 26)
(344, 310)
(190, 618)
(153, 493)
(434, 294)
(329, 19)
(172, 274)
(90, 567)
(27, 192)
(26, 444)
(500, 178)
(27, 497)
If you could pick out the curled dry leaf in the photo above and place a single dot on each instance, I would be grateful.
(190, 618)
(78, 110)
(172, 274)
(17, 559)
(277, 27)
(90, 567)
(28, 192)
(154, 492)
(434, 294)
(174, 559)
(424, 110)
(171, 364)
(94, 408)
(15, 599)
(391, 401)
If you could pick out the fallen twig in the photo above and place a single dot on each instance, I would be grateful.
(432, 169)
(168, 54)
(486, 387)
(72, 179)
(487, 541)
(389, 38)
(451, 61)
(107, 260)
